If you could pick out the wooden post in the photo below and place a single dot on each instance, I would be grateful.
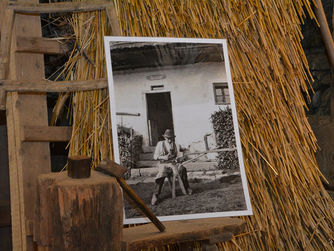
(78, 214)
(26, 159)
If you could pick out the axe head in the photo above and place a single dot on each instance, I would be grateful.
(112, 168)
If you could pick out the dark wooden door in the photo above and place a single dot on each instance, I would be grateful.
(159, 115)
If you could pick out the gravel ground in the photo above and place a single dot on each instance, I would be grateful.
(225, 194)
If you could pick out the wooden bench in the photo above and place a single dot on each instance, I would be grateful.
(182, 232)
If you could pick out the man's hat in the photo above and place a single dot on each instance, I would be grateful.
(169, 134)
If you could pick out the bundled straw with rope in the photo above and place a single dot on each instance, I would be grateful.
(269, 69)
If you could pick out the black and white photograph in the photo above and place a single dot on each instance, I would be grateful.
(175, 127)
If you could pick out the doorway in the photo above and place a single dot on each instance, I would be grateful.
(159, 115)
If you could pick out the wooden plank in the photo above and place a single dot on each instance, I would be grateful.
(325, 31)
(5, 43)
(58, 7)
(212, 229)
(46, 133)
(52, 86)
(15, 177)
(26, 160)
(40, 45)
(48, 86)
(113, 20)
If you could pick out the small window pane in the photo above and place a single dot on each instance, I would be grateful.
(219, 91)
(227, 100)
(220, 99)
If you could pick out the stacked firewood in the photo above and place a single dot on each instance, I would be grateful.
(129, 149)
(223, 126)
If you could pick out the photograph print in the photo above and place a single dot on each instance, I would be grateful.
(175, 127)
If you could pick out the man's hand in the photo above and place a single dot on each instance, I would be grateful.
(164, 157)
(179, 159)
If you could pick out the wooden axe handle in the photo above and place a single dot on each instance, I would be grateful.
(113, 169)
(141, 205)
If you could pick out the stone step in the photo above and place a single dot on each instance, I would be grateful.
(148, 149)
(147, 163)
(146, 156)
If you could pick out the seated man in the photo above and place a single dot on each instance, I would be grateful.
(169, 154)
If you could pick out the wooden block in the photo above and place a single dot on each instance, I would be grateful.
(40, 45)
(79, 167)
(46, 133)
(78, 214)
(146, 236)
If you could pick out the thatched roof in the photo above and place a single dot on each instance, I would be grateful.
(269, 71)
(136, 55)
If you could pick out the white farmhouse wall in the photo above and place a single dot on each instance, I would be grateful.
(192, 96)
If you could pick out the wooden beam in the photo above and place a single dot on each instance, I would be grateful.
(58, 7)
(5, 43)
(52, 86)
(113, 20)
(40, 45)
(325, 32)
(42, 86)
(46, 133)
(29, 159)
(15, 177)
(212, 230)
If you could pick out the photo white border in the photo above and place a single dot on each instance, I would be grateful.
(107, 40)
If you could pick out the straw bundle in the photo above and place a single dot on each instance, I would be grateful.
(91, 133)
(269, 69)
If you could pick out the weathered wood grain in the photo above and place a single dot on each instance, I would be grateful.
(46, 133)
(40, 45)
(41, 86)
(58, 7)
(5, 43)
(78, 214)
(79, 167)
(213, 230)
(26, 160)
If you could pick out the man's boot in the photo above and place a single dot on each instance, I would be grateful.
(154, 200)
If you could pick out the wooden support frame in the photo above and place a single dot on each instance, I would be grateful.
(52, 86)
(41, 45)
(209, 231)
(26, 159)
(6, 35)
(42, 86)
(28, 8)
(21, 74)
(46, 133)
